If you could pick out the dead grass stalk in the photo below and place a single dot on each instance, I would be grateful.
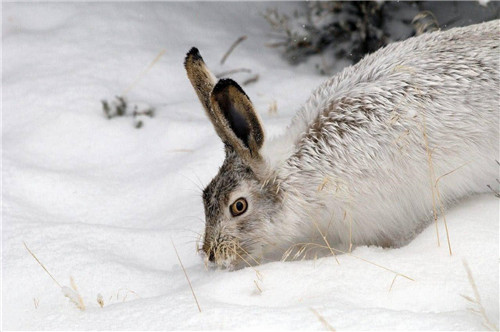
(349, 254)
(231, 48)
(43, 266)
(144, 72)
(322, 320)
(187, 278)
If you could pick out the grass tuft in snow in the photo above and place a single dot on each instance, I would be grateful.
(476, 301)
(73, 295)
(128, 291)
(100, 300)
(120, 108)
(70, 293)
(343, 30)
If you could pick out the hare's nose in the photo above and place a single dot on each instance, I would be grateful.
(208, 253)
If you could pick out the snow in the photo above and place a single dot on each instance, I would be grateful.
(101, 201)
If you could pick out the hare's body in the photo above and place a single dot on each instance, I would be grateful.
(363, 159)
(357, 153)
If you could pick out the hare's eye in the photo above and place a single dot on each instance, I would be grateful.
(238, 207)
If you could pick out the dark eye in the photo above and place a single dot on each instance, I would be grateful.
(238, 207)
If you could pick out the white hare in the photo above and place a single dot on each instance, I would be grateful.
(360, 159)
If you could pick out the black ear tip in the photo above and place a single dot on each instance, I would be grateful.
(224, 84)
(192, 55)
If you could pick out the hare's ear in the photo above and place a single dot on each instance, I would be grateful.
(228, 108)
(203, 82)
(238, 120)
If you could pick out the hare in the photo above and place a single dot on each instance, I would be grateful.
(361, 161)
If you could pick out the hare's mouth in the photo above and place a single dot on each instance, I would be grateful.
(229, 263)
(226, 255)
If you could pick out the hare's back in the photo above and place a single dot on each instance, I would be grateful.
(371, 118)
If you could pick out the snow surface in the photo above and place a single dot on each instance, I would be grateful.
(102, 201)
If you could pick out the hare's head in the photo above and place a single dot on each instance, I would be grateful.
(240, 201)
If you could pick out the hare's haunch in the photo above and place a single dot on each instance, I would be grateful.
(363, 157)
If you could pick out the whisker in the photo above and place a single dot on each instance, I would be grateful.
(198, 185)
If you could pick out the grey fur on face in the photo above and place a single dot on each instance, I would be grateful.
(361, 160)
(243, 235)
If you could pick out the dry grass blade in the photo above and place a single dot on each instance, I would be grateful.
(275, 44)
(181, 150)
(477, 300)
(496, 193)
(380, 266)
(257, 272)
(233, 46)
(128, 291)
(322, 320)
(401, 136)
(277, 21)
(144, 72)
(436, 195)
(233, 71)
(346, 191)
(357, 257)
(250, 80)
(36, 302)
(257, 285)
(327, 243)
(187, 278)
(323, 183)
(432, 177)
(441, 206)
(273, 108)
(392, 283)
(350, 231)
(43, 266)
(248, 254)
(287, 253)
(450, 172)
(299, 252)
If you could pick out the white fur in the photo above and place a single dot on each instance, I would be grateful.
(368, 171)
